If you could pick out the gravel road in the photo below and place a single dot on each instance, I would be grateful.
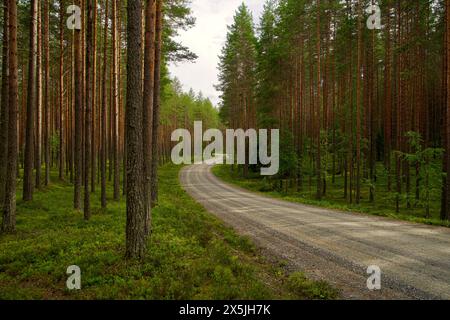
(330, 245)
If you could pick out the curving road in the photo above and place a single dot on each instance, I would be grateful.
(331, 245)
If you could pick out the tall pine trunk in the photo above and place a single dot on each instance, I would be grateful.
(149, 81)
(115, 104)
(136, 217)
(78, 138)
(448, 111)
(31, 105)
(89, 106)
(319, 106)
(9, 209)
(4, 112)
(62, 110)
(156, 101)
(47, 119)
(104, 116)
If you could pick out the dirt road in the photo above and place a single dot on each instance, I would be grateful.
(330, 245)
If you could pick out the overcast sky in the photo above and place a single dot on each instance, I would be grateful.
(206, 40)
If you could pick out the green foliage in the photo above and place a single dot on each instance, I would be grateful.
(427, 168)
(288, 156)
(181, 109)
(178, 16)
(302, 286)
(237, 68)
(54, 143)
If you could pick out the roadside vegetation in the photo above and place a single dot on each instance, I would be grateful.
(384, 204)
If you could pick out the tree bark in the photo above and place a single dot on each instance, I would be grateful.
(149, 77)
(89, 106)
(448, 110)
(156, 101)
(358, 107)
(47, 120)
(136, 217)
(115, 105)
(9, 209)
(31, 104)
(94, 107)
(62, 110)
(4, 103)
(38, 113)
(78, 121)
(104, 140)
(319, 106)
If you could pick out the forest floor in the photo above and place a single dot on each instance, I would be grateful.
(191, 254)
(383, 206)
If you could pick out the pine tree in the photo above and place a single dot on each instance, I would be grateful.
(136, 215)
(79, 107)
(31, 105)
(9, 209)
(448, 109)
(156, 101)
(4, 111)
(149, 82)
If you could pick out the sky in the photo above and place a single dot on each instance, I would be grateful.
(206, 40)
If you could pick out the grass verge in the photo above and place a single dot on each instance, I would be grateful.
(191, 254)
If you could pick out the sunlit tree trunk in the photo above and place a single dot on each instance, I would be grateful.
(38, 111)
(115, 104)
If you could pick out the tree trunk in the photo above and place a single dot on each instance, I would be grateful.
(156, 101)
(104, 140)
(38, 114)
(47, 120)
(62, 111)
(9, 209)
(136, 216)
(149, 77)
(358, 107)
(318, 106)
(115, 106)
(31, 104)
(388, 98)
(448, 111)
(4, 103)
(94, 109)
(89, 106)
(78, 120)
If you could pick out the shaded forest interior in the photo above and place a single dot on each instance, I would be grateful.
(64, 101)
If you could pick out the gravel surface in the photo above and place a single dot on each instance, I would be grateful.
(330, 245)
